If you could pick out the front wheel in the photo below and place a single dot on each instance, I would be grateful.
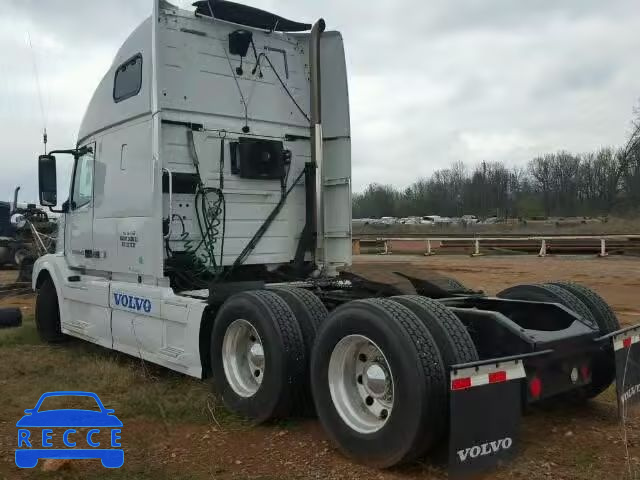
(378, 382)
(48, 313)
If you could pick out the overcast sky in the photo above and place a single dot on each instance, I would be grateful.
(430, 82)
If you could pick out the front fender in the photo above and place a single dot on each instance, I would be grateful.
(54, 264)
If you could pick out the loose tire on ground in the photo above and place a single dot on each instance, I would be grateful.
(10, 317)
(604, 369)
(416, 420)
(309, 312)
(48, 313)
(281, 387)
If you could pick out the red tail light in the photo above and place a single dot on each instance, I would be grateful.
(585, 372)
(535, 387)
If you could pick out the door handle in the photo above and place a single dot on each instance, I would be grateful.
(170, 201)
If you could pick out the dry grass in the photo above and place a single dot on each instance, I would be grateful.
(122, 382)
(138, 393)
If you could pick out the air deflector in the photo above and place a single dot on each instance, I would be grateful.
(248, 16)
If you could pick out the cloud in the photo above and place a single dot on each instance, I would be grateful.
(430, 82)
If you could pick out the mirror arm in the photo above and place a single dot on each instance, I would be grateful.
(76, 152)
(73, 152)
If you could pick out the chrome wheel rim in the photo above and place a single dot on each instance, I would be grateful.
(243, 358)
(361, 384)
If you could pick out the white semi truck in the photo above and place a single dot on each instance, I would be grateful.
(208, 230)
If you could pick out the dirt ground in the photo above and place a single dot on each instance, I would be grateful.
(176, 428)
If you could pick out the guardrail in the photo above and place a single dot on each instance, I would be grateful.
(477, 241)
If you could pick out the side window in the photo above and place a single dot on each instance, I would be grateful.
(128, 80)
(82, 182)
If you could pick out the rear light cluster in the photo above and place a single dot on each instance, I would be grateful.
(535, 384)
(585, 373)
(535, 387)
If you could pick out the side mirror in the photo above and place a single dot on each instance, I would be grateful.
(48, 180)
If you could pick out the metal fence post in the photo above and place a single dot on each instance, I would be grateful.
(476, 252)
(543, 249)
(428, 252)
(603, 248)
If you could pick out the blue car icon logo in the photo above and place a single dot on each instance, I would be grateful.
(35, 445)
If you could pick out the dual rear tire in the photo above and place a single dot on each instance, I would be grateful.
(378, 368)
(380, 380)
(260, 346)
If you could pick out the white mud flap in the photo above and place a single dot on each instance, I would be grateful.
(485, 411)
(626, 346)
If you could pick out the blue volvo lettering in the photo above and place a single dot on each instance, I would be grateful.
(132, 303)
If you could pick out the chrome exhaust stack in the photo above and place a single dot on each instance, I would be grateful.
(317, 141)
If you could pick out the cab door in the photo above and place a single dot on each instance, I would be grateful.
(86, 312)
(79, 221)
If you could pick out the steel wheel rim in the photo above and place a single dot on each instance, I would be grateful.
(243, 358)
(361, 384)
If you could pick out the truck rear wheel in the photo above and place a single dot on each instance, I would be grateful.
(310, 312)
(453, 339)
(604, 368)
(258, 356)
(378, 382)
(48, 313)
(549, 293)
(605, 317)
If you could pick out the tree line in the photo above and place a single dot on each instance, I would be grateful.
(603, 182)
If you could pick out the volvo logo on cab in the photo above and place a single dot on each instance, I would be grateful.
(132, 303)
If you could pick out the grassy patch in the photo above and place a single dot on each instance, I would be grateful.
(135, 389)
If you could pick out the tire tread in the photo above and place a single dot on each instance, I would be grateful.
(461, 347)
(432, 367)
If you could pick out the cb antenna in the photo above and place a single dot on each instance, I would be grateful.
(37, 77)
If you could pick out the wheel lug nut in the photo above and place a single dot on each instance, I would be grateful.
(384, 414)
(256, 373)
(369, 401)
(360, 379)
(362, 357)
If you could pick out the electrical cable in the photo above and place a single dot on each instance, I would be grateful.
(196, 265)
(244, 101)
(284, 85)
(208, 212)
